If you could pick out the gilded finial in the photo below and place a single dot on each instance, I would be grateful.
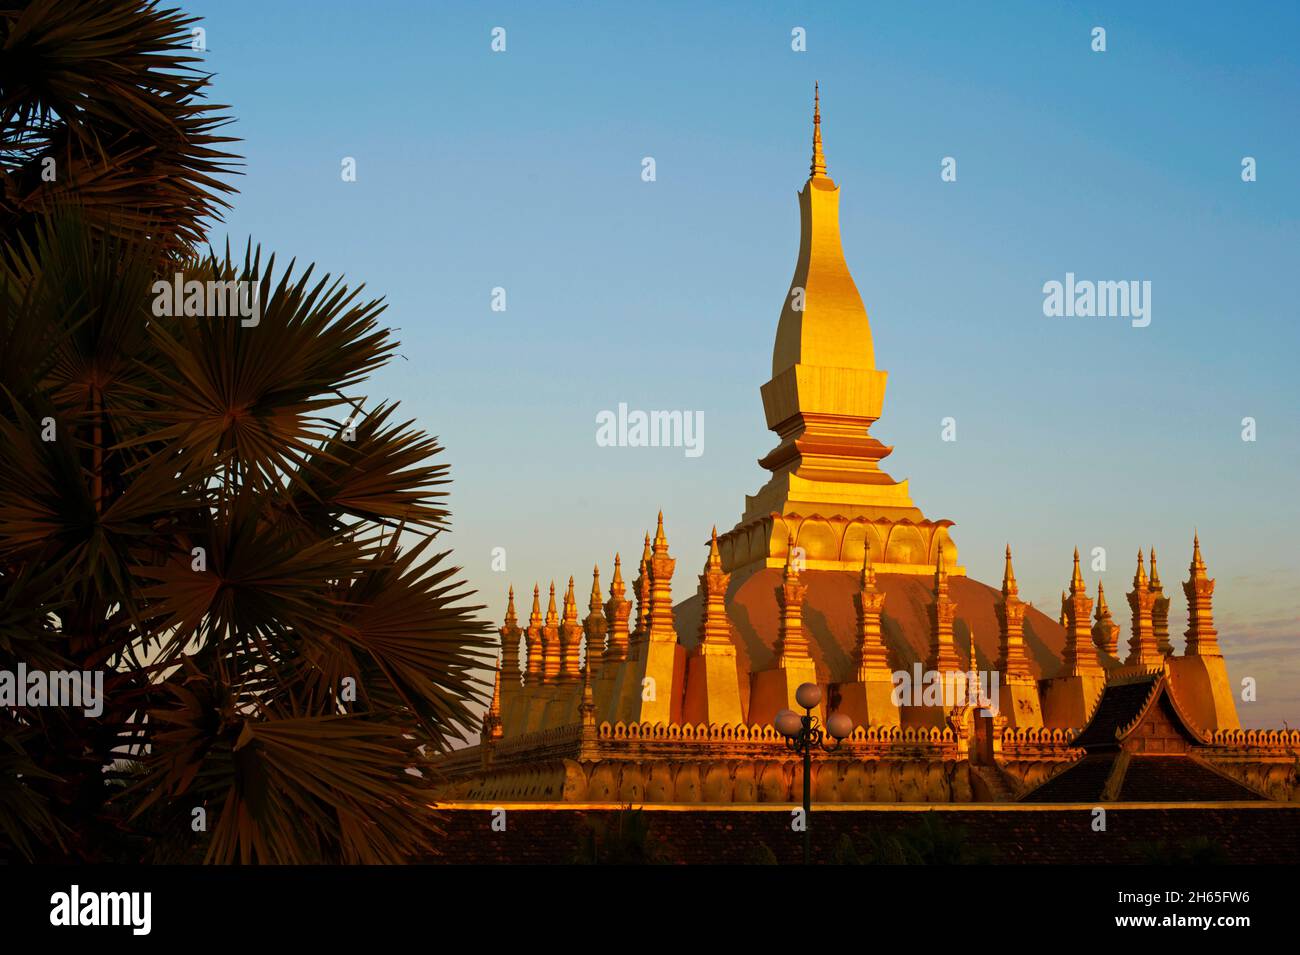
(596, 603)
(818, 170)
(535, 618)
(1102, 609)
(661, 542)
(791, 571)
(1198, 565)
(1076, 578)
(868, 578)
(616, 586)
(1155, 574)
(715, 557)
(1140, 578)
(940, 574)
(511, 619)
(570, 605)
(1009, 588)
(552, 617)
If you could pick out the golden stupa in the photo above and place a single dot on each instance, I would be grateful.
(834, 576)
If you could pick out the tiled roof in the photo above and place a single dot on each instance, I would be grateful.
(1119, 706)
(1178, 779)
(1082, 782)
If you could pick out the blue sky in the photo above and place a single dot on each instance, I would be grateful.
(522, 170)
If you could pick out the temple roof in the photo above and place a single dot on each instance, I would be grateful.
(1140, 747)
(1141, 779)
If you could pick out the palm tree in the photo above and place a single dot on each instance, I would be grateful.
(205, 510)
(101, 109)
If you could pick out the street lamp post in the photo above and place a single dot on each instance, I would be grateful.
(803, 734)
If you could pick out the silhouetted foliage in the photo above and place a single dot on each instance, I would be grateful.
(206, 511)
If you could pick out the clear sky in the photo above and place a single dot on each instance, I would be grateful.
(523, 170)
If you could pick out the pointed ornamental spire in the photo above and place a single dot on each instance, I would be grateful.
(818, 170)
(791, 572)
(1155, 574)
(511, 619)
(617, 609)
(535, 618)
(867, 581)
(552, 618)
(595, 605)
(714, 562)
(661, 541)
(940, 574)
(1076, 578)
(1140, 578)
(1197, 566)
(570, 605)
(1009, 588)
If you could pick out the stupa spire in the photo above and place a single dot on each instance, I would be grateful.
(792, 642)
(533, 643)
(535, 618)
(1105, 632)
(492, 729)
(551, 647)
(1079, 656)
(510, 634)
(1009, 588)
(617, 610)
(661, 542)
(1202, 637)
(1143, 651)
(824, 394)
(714, 633)
(1159, 610)
(943, 651)
(595, 626)
(870, 657)
(1013, 661)
(570, 638)
(511, 618)
(818, 170)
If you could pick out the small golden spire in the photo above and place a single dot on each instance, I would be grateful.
(940, 574)
(645, 552)
(1155, 574)
(535, 619)
(1076, 579)
(616, 587)
(1009, 588)
(661, 542)
(492, 729)
(790, 572)
(570, 605)
(1140, 578)
(494, 708)
(596, 604)
(868, 578)
(511, 619)
(818, 170)
(1197, 566)
(715, 558)
(552, 618)
(1102, 609)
